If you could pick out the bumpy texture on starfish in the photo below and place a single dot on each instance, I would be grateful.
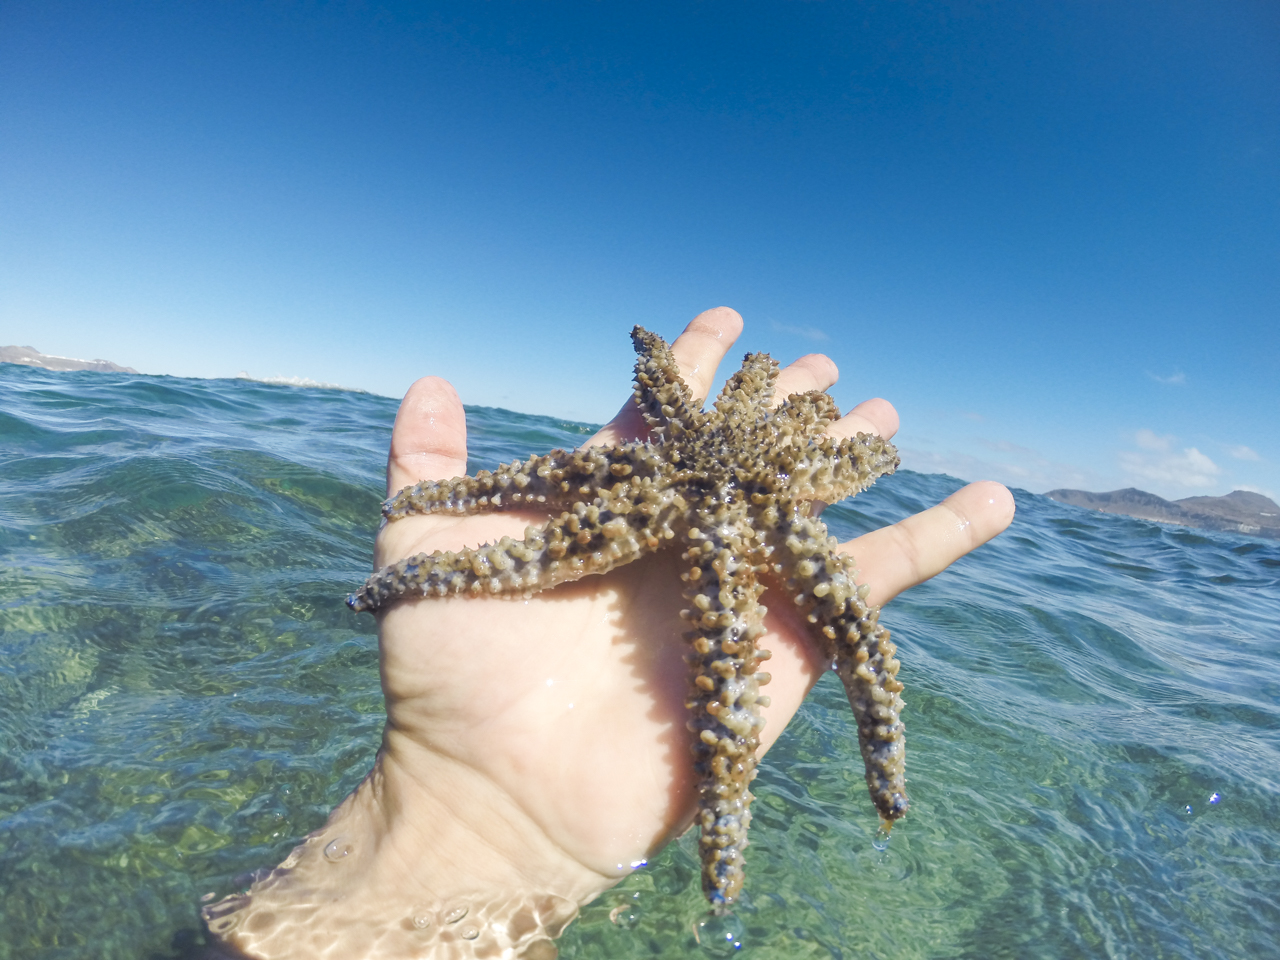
(733, 487)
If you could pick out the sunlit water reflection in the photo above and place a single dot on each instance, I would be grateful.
(1092, 713)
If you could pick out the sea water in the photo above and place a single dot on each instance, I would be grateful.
(1092, 713)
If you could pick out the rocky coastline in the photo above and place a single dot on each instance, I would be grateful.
(1238, 512)
(31, 357)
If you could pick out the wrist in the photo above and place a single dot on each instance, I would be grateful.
(425, 858)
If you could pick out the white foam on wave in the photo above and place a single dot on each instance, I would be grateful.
(279, 381)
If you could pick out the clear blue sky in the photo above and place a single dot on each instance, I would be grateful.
(1048, 232)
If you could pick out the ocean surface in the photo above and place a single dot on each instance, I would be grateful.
(1093, 703)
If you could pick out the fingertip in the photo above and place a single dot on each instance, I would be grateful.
(430, 400)
(429, 439)
(823, 367)
(718, 323)
(986, 506)
(876, 416)
(703, 344)
(882, 413)
(999, 500)
(425, 388)
(996, 495)
(813, 371)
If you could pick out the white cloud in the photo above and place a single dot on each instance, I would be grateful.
(1175, 379)
(808, 333)
(1244, 453)
(1190, 468)
(1010, 464)
(1150, 440)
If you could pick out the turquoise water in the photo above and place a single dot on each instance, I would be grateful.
(183, 695)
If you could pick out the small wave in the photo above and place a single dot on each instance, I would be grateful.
(298, 382)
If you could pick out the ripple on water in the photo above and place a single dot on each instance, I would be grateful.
(183, 695)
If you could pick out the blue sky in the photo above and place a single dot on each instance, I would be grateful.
(1048, 232)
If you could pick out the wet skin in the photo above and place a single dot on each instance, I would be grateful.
(538, 747)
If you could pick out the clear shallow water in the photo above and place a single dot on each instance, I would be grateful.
(183, 694)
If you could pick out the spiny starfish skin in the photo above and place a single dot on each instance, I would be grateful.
(733, 487)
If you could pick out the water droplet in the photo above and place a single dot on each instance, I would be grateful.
(421, 917)
(1215, 797)
(720, 934)
(338, 849)
(1187, 809)
(881, 840)
(626, 914)
(469, 932)
(625, 918)
(678, 873)
(455, 913)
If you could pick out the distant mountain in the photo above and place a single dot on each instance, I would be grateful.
(34, 358)
(1238, 512)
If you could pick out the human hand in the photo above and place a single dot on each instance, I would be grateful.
(571, 704)
(538, 746)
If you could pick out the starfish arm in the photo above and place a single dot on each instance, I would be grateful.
(586, 540)
(821, 583)
(554, 480)
(661, 395)
(830, 470)
(745, 399)
(733, 485)
(806, 414)
(725, 698)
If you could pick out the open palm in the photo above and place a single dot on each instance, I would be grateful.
(536, 750)
(570, 705)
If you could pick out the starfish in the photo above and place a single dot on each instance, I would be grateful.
(732, 487)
